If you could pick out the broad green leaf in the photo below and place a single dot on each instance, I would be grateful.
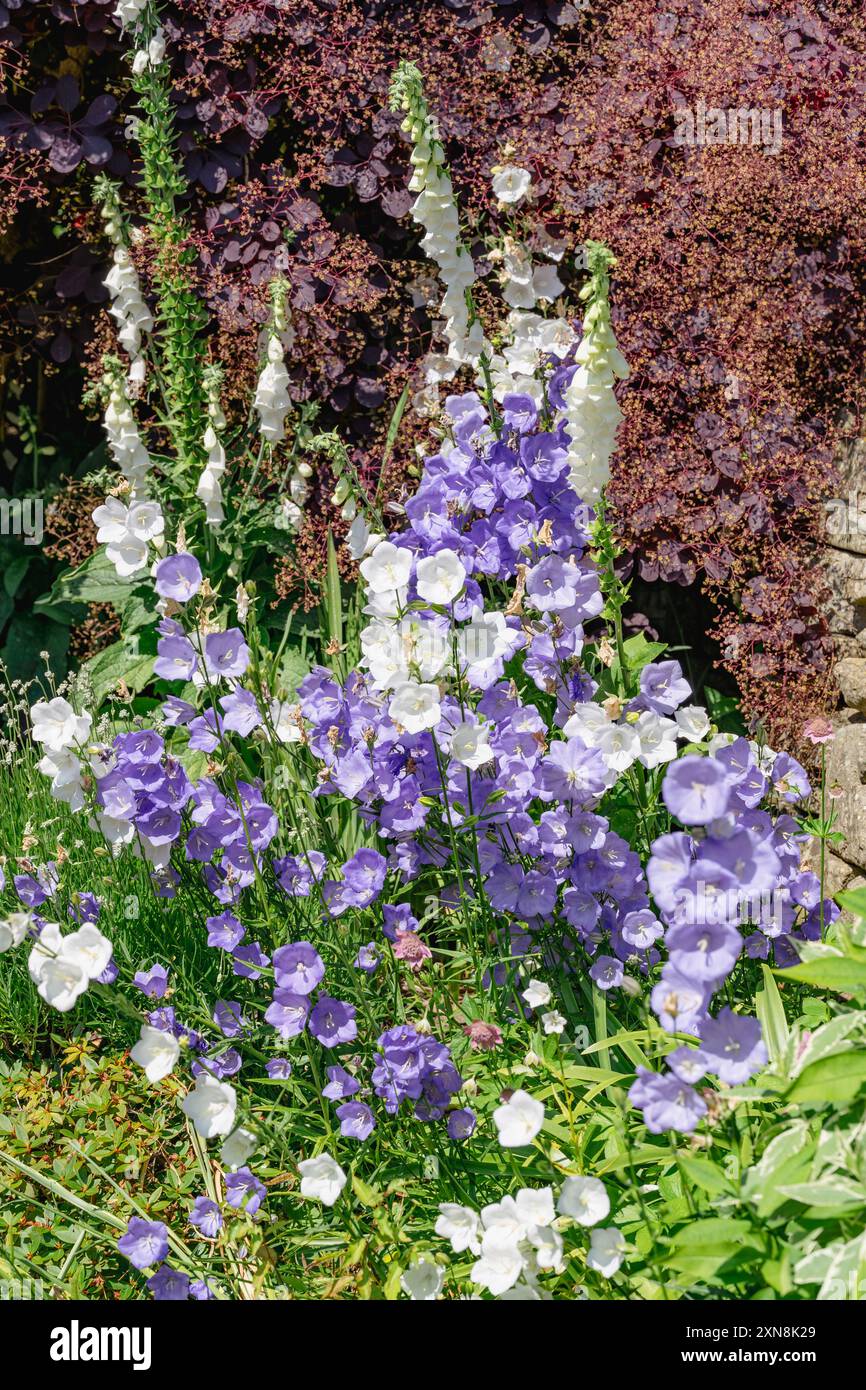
(830, 971)
(829, 1195)
(779, 1150)
(712, 1232)
(702, 1247)
(194, 761)
(830, 1038)
(834, 1080)
(853, 902)
(639, 652)
(705, 1174)
(836, 1267)
(786, 1158)
(119, 662)
(812, 1268)
(94, 581)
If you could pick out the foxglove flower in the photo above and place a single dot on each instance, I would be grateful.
(591, 412)
(436, 210)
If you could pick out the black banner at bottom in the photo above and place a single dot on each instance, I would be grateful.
(160, 1338)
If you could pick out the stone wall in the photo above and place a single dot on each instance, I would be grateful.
(846, 755)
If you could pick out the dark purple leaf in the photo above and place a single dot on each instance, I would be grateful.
(213, 176)
(100, 110)
(65, 154)
(61, 347)
(96, 149)
(67, 95)
(396, 202)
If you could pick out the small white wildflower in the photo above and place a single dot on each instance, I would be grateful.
(211, 1106)
(537, 994)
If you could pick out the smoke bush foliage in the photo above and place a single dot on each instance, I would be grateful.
(739, 289)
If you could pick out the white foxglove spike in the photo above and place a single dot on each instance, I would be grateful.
(127, 528)
(272, 399)
(435, 209)
(128, 309)
(209, 489)
(592, 413)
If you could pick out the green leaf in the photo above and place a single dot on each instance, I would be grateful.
(778, 1273)
(137, 610)
(793, 1144)
(392, 1282)
(702, 1247)
(771, 1015)
(120, 661)
(830, 971)
(853, 902)
(333, 600)
(95, 581)
(14, 573)
(293, 667)
(836, 1268)
(834, 1080)
(194, 762)
(705, 1174)
(812, 1268)
(830, 1195)
(369, 1196)
(830, 1038)
(639, 652)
